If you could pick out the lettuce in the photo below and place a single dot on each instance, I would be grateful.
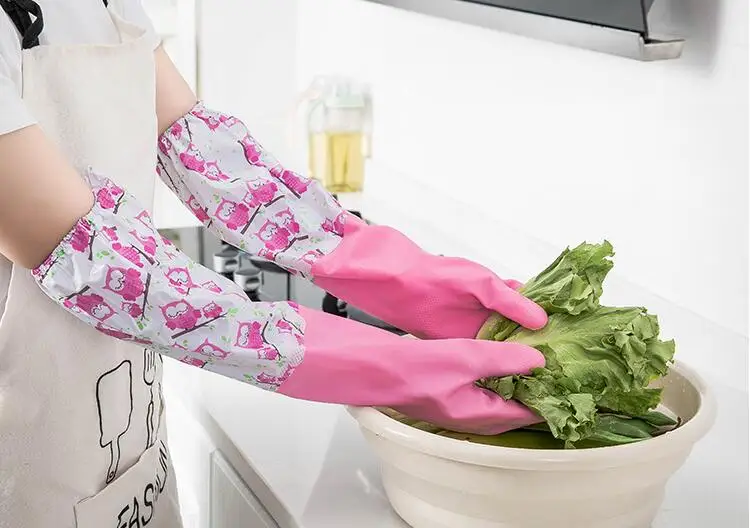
(596, 362)
(600, 360)
(572, 284)
(594, 389)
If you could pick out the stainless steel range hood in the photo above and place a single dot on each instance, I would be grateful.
(616, 27)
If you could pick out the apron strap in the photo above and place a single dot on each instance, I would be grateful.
(20, 12)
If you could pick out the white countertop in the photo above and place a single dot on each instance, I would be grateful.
(313, 469)
(310, 466)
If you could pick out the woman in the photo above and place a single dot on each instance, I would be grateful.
(91, 296)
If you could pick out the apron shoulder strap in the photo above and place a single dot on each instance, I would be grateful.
(20, 13)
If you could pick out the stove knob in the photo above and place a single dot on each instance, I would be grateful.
(248, 278)
(226, 261)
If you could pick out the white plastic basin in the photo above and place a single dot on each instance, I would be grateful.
(437, 482)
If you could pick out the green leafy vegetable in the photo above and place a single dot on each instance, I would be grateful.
(572, 284)
(594, 390)
(599, 360)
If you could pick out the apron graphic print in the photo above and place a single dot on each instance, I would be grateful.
(131, 497)
(151, 363)
(114, 400)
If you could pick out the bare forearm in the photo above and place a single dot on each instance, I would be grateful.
(42, 196)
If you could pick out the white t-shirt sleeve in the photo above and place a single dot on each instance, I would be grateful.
(13, 112)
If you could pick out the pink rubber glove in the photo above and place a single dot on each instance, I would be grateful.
(114, 272)
(382, 272)
(243, 194)
(354, 364)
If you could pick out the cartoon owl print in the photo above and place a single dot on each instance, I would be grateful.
(286, 219)
(233, 215)
(266, 254)
(338, 224)
(148, 243)
(176, 130)
(261, 192)
(110, 233)
(193, 160)
(210, 120)
(132, 309)
(91, 304)
(81, 236)
(284, 327)
(194, 362)
(180, 279)
(212, 310)
(144, 218)
(211, 286)
(128, 253)
(210, 350)
(249, 335)
(268, 353)
(228, 121)
(268, 379)
(274, 237)
(108, 195)
(197, 209)
(214, 173)
(180, 314)
(293, 181)
(164, 144)
(126, 283)
(253, 152)
(113, 332)
(311, 257)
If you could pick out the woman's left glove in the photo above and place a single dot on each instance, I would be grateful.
(247, 198)
(114, 272)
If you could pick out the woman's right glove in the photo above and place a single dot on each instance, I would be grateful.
(114, 272)
(350, 363)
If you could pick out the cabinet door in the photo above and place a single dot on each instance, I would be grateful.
(232, 503)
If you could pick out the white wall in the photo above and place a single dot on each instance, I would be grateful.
(565, 144)
(246, 63)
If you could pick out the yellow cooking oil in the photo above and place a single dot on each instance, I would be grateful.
(337, 159)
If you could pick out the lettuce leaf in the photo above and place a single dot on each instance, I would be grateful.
(572, 284)
(600, 360)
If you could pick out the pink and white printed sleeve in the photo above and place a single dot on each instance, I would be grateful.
(243, 194)
(115, 272)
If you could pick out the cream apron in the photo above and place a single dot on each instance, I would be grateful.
(82, 433)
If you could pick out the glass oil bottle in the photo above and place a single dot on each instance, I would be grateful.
(339, 128)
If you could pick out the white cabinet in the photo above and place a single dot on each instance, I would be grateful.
(217, 486)
(232, 502)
